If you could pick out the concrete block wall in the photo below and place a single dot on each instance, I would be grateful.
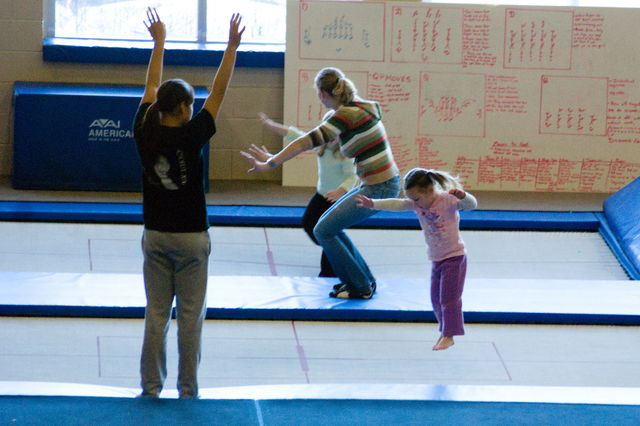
(251, 90)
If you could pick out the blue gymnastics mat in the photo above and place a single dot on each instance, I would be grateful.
(330, 404)
(621, 226)
(291, 216)
(306, 298)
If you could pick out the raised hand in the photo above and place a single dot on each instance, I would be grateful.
(459, 193)
(155, 26)
(264, 118)
(235, 33)
(268, 122)
(362, 201)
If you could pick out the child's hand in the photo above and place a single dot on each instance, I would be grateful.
(362, 201)
(333, 196)
(235, 33)
(155, 26)
(261, 153)
(459, 193)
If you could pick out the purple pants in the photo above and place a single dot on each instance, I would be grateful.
(447, 282)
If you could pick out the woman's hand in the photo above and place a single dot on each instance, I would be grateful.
(459, 193)
(333, 196)
(268, 122)
(264, 118)
(256, 166)
(260, 153)
(362, 201)
(155, 26)
(235, 33)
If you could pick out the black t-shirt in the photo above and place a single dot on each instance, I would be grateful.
(173, 182)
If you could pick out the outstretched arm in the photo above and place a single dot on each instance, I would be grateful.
(294, 148)
(154, 71)
(274, 126)
(225, 70)
(390, 204)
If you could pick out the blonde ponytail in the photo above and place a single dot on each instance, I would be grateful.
(334, 82)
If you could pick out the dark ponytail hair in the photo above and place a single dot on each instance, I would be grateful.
(170, 95)
(425, 178)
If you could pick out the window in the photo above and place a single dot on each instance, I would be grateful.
(112, 31)
(194, 21)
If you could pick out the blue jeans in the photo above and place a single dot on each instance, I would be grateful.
(347, 262)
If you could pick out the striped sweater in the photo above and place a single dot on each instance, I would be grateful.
(362, 137)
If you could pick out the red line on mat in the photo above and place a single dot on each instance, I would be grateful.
(99, 357)
(89, 250)
(504, 364)
(302, 357)
(272, 263)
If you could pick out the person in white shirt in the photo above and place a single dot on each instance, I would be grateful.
(336, 177)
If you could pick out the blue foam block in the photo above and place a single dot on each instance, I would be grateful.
(78, 137)
(622, 211)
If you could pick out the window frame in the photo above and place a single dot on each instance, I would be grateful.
(197, 53)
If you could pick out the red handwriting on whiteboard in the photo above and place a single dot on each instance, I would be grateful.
(503, 95)
(427, 157)
(623, 112)
(476, 43)
(574, 105)
(426, 34)
(447, 108)
(588, 29)
(538, 39)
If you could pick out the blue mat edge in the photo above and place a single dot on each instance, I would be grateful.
(356, 315)
(617, 248)
(291, 216)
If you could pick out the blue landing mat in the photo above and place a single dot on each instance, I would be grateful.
(53, 411)
(29, 403)
(306, 298)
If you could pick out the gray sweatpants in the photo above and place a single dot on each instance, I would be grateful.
(175, 264)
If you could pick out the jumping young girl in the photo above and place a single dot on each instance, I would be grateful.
(175, 241)
(357, 125)
(436, 197)
(336, 177)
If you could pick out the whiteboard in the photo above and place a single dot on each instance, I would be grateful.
(508, 98)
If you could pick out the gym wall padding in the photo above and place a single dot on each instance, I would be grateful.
(77, 137)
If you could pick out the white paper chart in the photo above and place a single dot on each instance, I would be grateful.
(509, 98)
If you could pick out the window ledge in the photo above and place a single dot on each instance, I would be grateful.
(137, 52)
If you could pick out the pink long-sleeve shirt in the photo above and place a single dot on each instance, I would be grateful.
(440, 222)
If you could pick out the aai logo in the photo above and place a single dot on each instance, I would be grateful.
(107, 130)
(105, 123)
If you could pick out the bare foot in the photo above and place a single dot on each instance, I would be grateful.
(443, 343)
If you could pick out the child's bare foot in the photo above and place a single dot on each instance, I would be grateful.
(443, 343)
